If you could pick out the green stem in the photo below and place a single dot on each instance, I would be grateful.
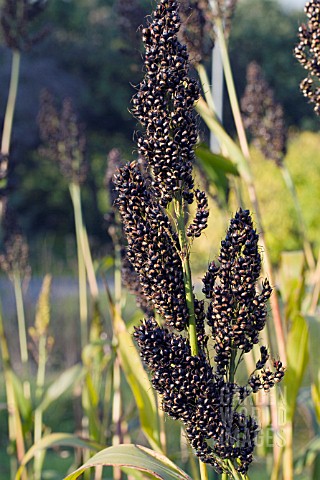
(246, 174)
(203, 471)
(288, 473)
(192, 332)
(231, 89)
(14, 419)
(83, 302)
(302, 225)
(84, 241)
(116, 412)
(38, 422)
(117, 277)
(232, 366)
(21, 317)
(206, 86)
(11, 103)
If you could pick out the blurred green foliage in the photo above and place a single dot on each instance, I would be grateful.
(278, 213)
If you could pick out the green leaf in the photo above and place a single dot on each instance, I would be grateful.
(55, 440)
(297, 360)
(234, 152)
(135, 457)
(24, 404)
(65, 381)
(292, 281)
(137, 378)
(215, 161)
(314, 339)
(216, 171)
(307, 455)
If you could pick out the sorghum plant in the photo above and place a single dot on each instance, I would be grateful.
(263, 117)
(307, 52)
(16, 21)
(14, 261)
(64, 143)
(175, 344)
(197, 28)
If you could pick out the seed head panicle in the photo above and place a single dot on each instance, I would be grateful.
(17, 18)
(237, 311)
(197, 28)
(225, 11)
(64, 138)
(204, 398)
(152, 246)
(263, 117)
(307, 53)
(164, 107)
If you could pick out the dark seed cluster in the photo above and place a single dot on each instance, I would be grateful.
(152, 246)
(130, 280)
(164, 107)
(201, 220)
(263, 117)
(201, 399)
(64, 138)
(237, 312)
(17, 17)
(204, 398)
(15, 257)
(308, 53)
(197, 28)
(226, 9)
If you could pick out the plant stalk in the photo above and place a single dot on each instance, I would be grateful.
(83, 302)
(246, 174)
(21, 317)
(38, 423)
(11, 103)
(302, 225)
(192, 332)
(14, 419)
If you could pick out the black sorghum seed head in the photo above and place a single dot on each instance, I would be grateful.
(164, 107)
(263, 117)
(308, 53)
(226, 9)
(201, 220)
(204, 399)
(64, 138)
(197, 28)
(237, 311)
(15, 258)
(17, 17)
(153, 247)
(130, 280)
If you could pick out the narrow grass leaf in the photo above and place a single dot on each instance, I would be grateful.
(55, 440)
(297, 360)
(65, 381)
(307, 455)
(215, 160)
(234, 152)
(24, 403)
(135, 457)
(137, 378)
(292, 281)
(314, 341)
